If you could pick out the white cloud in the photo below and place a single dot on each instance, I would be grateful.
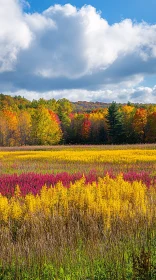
(136, 95)
(75, 50)
(84, 42)
(39, 23)
(25, 4)
(14, 33)
(74, 43)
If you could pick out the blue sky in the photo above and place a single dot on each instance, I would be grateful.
(60, 49)
(112, 10)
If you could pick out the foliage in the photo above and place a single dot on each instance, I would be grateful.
(45, 127)
(25, 123)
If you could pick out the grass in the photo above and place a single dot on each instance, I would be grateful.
(74, 159)
(80, 245)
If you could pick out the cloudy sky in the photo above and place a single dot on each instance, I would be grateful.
(80, 50)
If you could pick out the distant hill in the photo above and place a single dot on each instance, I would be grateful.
(85, 106)
(21, 103)
(18, 102)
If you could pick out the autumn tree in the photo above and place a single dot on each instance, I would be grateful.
(3, 130)
(24, 125)
(86, 129)
(45, 128)
(99, 126)
(64, 109)
(9, 129)
(151, 128)
(46, 122)
(139, 124)
(128, 112)
(75, 128)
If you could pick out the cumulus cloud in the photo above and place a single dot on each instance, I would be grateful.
(65, 51)
(121, 95)
(25, 4)
(15, 34)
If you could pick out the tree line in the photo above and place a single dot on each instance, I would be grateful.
(54, 122)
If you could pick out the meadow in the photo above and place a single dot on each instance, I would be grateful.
(78, 212)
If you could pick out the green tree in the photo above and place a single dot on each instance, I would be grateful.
(64, 110)
(115, 124)
(128, 112)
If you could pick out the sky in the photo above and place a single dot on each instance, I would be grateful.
(79, 50)
(112, 10)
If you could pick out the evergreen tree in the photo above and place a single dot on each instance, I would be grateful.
(115, 124)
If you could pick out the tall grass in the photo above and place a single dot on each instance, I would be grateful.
(63, 218)
(99, 230)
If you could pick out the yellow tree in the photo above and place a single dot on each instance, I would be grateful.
(139, 123)
(45, 129)
(128, 115)
(9, 129)
(3, 129)
(24, 123)
(99, 126)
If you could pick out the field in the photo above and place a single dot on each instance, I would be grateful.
(78, 212)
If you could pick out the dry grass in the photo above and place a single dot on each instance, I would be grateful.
(77, 147)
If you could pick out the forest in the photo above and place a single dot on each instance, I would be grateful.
(52, 122)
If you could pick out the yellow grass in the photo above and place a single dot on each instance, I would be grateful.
(108, 200)
(83, 155)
